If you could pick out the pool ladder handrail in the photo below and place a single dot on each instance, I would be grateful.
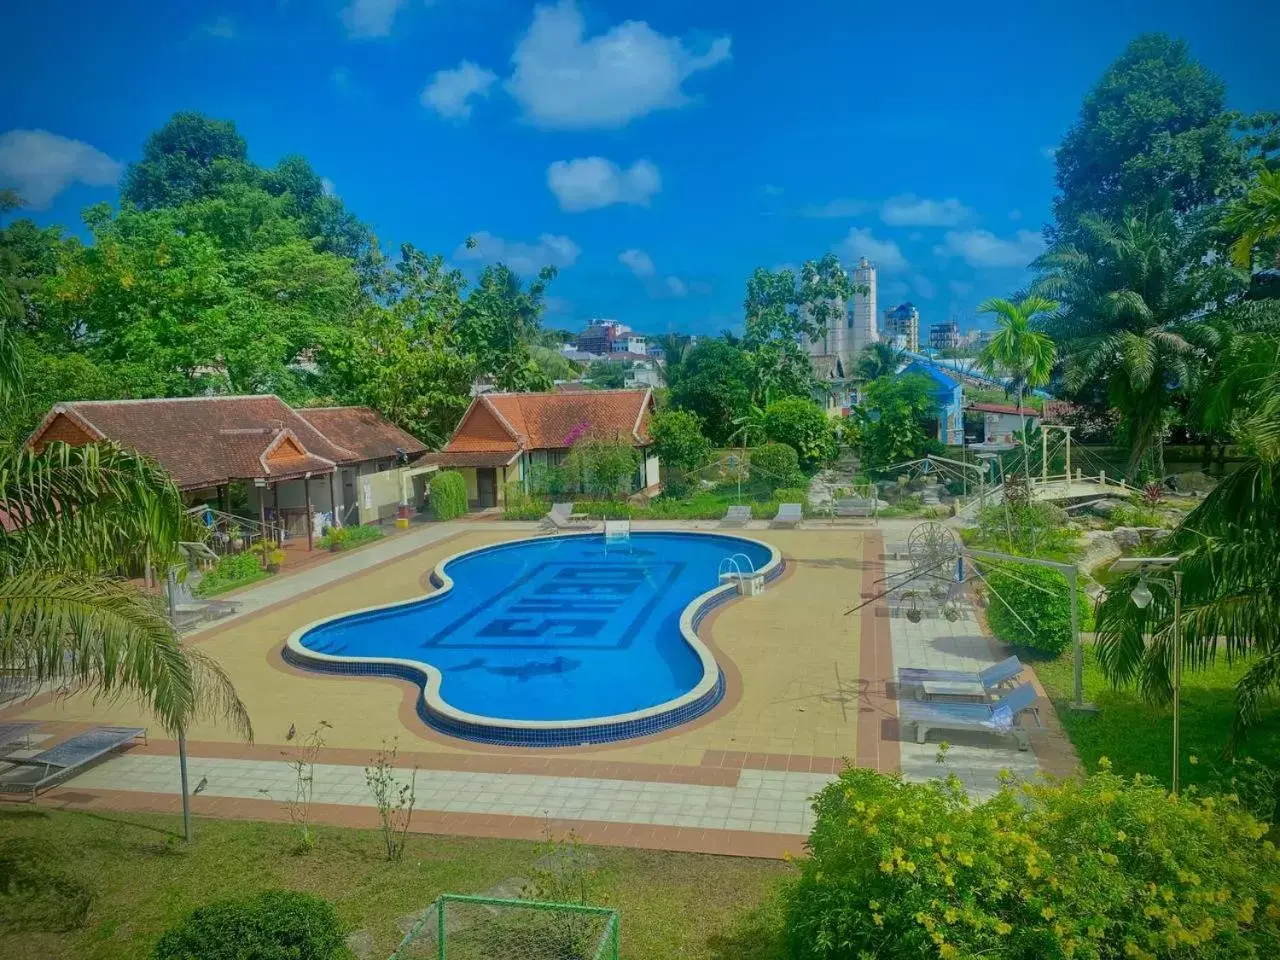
(729, 566)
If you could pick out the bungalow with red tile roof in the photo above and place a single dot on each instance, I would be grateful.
(506, 437)
(293, 464)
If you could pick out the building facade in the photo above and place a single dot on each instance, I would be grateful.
(944, 335)
(862, 319)
(902, 327)
(600, 336)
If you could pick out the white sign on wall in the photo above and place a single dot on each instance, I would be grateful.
(366, 492)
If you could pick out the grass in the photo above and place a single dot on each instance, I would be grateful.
(140, 879)
(350, 537)
(226, 586)
(709, 505)
(1138, 737)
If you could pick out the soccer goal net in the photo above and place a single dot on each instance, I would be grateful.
(485, 928)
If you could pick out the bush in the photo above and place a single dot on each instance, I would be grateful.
(680, 447)
(1028, 529)
(274, 925)
(344, 538)
(1038, 596)
(774, 465)
(792, 495)
(802, 425)
(1099, 867)
(602, 465)
(229, 572)
(448, 495)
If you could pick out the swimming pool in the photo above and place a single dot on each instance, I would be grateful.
(551, 641)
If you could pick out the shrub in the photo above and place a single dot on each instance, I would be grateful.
(1037, 595)
(229, 572)
(792, 495)
(1099, 867)
(344, 538)
(602, 466)
(680, 446)
(448, 495)
(802, 425)
(775, 465)
(1030, 529)
(274, 925)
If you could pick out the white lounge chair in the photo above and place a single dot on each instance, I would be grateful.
(1000, 717)
(789, 515)
(958, 683)
(738, 516)
(561, 517)
(33, 774)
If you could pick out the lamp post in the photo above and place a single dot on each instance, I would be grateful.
(1141, 596)
(172, 585)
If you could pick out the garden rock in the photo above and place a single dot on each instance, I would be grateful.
(1105, 508)
(1128, 538)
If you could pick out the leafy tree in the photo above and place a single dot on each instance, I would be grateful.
(607, 374)
(553, 364)
(1255, 219)
(602, 465)
(1154, 126)
(715, 384)
(498, 318)
(1016, 349)
(188, 159)
(878, 360)
(803, 426)
(674, 349)
(680, 447)
(893, 418)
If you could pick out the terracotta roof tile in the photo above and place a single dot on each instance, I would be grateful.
(361, 430)
(1002, 408)
(551, 421)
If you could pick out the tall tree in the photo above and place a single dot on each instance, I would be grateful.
(1017, 349)
(716, 385)
(1254, 220)
(189, 158)
(1155, 125)
(877, 360)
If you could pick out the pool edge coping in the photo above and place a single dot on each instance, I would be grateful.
(433, 706)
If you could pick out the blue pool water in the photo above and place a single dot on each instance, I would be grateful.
(554, 629)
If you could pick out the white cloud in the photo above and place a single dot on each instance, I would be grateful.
(982, 248)
(676, 287)
(591, 182)
(835, 209)
(908, 210)
(885, 254)
(327, 185)
(564, 79)
(370, 18)
(526, 259)
(638, 262)
(40, 165)
(450, 91)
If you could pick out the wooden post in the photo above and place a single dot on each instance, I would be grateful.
(262, 520)
(276, 525)
(224, 497)
(306, 496)
(1044, 456)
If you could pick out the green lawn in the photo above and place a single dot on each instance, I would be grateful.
(141, 880)
(1138, 738)
(227, 586)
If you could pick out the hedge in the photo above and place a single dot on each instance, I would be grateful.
(448, 495)
(231, 571)
(274, 925)
(774, 465)
(1099, 867)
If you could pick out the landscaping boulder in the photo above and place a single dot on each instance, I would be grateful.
(1105, 508)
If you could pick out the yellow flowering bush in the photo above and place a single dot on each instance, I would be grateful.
(1096, 867)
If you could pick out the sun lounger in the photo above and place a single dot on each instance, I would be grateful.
(959, 683)
(15, 732)
(33, 774)
(736, 517)
(562, 517)
(1001, 717)
(789, 515)
(863, 508)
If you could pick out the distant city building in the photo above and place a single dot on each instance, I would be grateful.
(977, 339)
(902, 327)
(629, 343)
(944, 335)
(863, 319)
(600, 335)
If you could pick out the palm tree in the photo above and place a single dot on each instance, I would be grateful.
(675, 349)
(1255, 218)
(1229, 555)
(1132, 295)
(73, 520)
(877, 360)
(1024, 354)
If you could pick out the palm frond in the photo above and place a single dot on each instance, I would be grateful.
(88, 632)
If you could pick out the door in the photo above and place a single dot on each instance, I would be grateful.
(487, 486)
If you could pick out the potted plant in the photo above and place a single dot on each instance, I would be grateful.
(338, 538)
(272, 556)
(235, 537)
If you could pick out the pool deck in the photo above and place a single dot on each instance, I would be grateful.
(807, 687)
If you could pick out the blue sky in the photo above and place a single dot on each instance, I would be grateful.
(655, 151)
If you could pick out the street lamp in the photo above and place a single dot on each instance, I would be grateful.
(1141, 596)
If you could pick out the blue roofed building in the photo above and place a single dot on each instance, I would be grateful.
(948, 391)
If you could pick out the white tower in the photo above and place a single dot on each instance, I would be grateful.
(862, 320)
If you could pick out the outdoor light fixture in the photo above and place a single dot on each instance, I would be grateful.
(1141, 595)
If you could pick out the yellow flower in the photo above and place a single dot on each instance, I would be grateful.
(874, 904)
(966, 858)
(1003, 928)
(1193, 759)
(877, 920)
(948, 952)
(786, 855)
(951, 915)
(1048, 913)
(1121, 836)
(886, 866)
